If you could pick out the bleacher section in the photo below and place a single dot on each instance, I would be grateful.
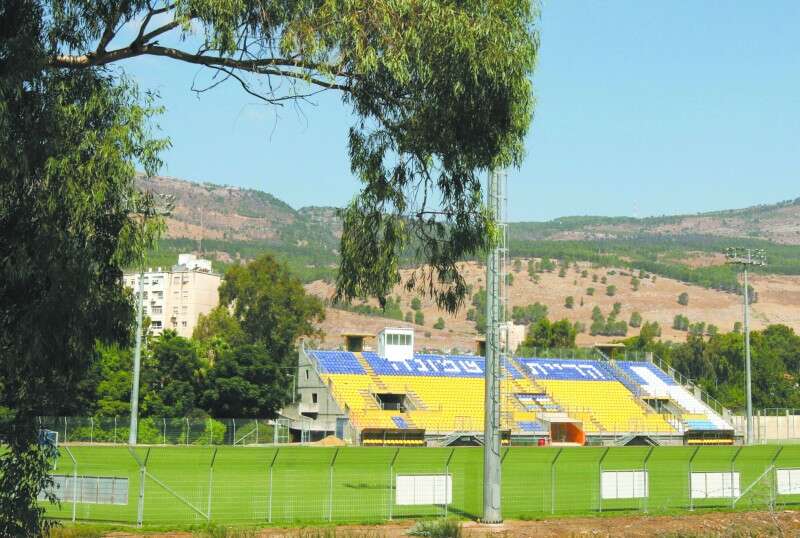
(444, 394)
(658, 384)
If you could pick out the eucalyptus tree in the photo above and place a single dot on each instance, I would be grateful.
(439, 90)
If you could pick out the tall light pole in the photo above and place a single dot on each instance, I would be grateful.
(153, 206)
(495, 349)
(746, 258)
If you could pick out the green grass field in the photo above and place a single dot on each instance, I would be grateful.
(307, 485)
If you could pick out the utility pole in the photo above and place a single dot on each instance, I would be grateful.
(161, 205)
(745, 258)
(495, 331)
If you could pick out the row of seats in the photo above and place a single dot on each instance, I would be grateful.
(605, 405)
(531, 426)
(635, 368)
(393, 442)
(450, 391)
(568, 369)
(339, 362)
(446, 404)
(658, 384)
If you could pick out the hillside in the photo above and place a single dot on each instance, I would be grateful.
(237, 224)
(778, 297)
(778, 223)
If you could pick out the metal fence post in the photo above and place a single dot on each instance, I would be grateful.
(65, 430)
(210, 484)
(391, 482)
(271, 465)
(646, 479)
(774, 488)
(553, 481)
(257, 421)
(91, 430)
(74, 484)
(330, 486)
(733, 463)
(142, 477)
(691, 499)
(448, 482)
(600, 479)
(164, 422)
(115, 429)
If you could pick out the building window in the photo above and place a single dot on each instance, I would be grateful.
(183, 324)
(185, 309)
(313, 397)
(144, 295)
(156, 324)
(156, 310)
(306, 373)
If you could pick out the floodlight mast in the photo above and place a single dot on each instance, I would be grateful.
(745, 258)
(162, 206)
(495, 331)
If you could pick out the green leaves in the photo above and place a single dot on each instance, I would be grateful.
(271, 306)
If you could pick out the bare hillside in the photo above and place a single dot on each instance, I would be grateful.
(656, 300)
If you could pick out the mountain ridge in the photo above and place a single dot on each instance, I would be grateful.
(239, 213)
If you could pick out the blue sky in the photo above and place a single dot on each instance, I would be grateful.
(643, 108)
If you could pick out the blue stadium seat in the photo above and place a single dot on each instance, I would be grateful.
(627, 367)
(568, 369)
(532, 426)
(337, 362)
(401, 422)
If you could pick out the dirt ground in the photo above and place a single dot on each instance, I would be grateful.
(739, 524)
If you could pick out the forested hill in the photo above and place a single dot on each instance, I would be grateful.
(236, 223)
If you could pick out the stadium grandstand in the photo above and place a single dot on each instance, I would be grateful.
(395, 396)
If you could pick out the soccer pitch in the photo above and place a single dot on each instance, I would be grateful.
(292, 484)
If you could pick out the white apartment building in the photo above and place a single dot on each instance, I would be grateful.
(174, 298)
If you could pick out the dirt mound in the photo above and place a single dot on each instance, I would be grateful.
(331, 440)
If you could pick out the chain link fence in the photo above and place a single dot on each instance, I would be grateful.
(289, 484)
(170, 431)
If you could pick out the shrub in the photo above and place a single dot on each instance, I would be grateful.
(416, 304)
(437, 528)
(680, 323)
(683, 299)
(419, 318)
(611, 290)
(569, 302)
(439, 324)
(589, 291)
(636, 320)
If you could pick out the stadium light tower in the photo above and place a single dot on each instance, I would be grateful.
(495, 333)
(162, 205)
(745, 258)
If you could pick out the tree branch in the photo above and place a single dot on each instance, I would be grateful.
(263, 66)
